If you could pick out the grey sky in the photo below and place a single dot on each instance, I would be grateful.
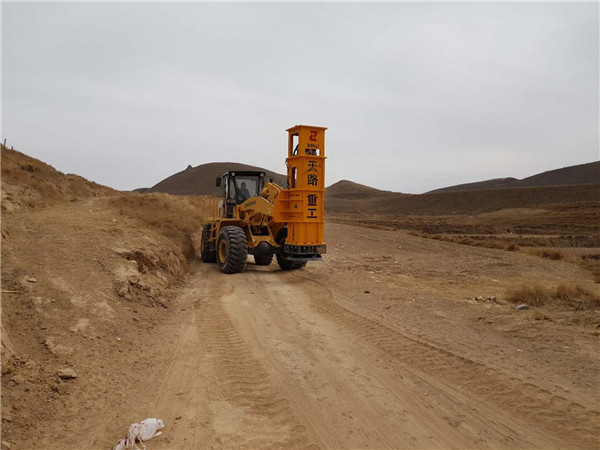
(416, 96)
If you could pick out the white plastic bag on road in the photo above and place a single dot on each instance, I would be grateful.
(140, 431)
(144, 431)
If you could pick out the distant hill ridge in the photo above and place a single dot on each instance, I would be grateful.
(200, 180)
(588, 173)
(349, 197)
(350, 189)
(464, 202)
(579, 183)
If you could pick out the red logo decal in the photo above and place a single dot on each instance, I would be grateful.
(313, 135)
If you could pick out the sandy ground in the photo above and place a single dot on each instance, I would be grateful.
(381, 345)
(271, 359)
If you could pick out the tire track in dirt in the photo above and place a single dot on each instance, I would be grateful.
(534, 404)
(182, 397)
(242, 381)
(353, 396)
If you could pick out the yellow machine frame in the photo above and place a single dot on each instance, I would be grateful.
(287, 223)
(302, 205)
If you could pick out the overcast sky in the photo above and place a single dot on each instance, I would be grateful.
(415, 96)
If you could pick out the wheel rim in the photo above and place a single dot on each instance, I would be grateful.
(223, 251)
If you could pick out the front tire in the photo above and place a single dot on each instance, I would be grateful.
(283, 262)
(232, 250)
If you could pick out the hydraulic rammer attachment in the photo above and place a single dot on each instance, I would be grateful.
(302, 205)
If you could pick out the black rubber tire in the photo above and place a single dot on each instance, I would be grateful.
(207, 256)
(232, 250)
(281, 235)
(263, 260)
(286, 264)
(283, 262)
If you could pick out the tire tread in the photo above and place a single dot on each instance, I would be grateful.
(237, 249)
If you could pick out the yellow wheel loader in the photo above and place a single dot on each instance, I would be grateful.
(261, 218)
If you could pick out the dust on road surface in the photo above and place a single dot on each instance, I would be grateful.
(379, 346)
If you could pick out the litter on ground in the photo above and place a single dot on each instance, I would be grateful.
(140, 432)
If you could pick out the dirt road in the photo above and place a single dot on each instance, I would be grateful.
(377, 347)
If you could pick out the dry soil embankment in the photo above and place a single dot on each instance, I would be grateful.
(87, 275)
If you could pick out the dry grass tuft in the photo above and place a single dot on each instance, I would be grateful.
(592, 263)
(570, 297)
(550, 254)
(177, 217)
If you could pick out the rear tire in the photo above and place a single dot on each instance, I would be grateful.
(283, 262)
(207, 255)
(263, 260)
(286, 264)
(232, 250)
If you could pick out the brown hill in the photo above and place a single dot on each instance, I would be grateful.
(28, 182)
(478, 185)
(200, 180)
(350, 190)
(464, 202)
(580, 174)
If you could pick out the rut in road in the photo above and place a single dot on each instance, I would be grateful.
(539, 406)
(243, 381)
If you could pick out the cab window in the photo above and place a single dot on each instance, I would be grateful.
(246, 187)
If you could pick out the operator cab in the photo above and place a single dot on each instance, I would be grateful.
(239, 186)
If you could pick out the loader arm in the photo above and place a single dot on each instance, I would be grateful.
(256, 210)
